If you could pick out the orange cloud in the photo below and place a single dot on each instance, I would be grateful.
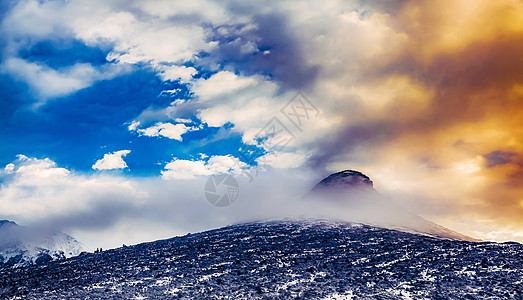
(452, 101)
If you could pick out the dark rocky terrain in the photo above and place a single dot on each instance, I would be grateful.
(282, 259)
(345, 179)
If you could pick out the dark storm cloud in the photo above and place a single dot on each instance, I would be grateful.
(390, 6)
(496, 158)
(343, 144)
(284, 59)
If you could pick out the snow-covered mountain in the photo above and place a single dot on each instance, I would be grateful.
(353, 191)
(23, 246)
(281, 259)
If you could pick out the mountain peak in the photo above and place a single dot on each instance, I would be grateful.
(361, 203)
(7, 222)
(23, 246)
(345, 179)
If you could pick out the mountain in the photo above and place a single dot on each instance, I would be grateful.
(348, 179)
(354, 192)
(281, 259)
(22, 246)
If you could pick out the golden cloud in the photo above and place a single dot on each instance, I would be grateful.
(451, 97)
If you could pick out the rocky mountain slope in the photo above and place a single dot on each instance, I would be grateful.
(353, 192)
(282, 259)
(22, 246)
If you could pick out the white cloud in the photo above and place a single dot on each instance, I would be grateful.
(139, 38)
(158, 45)
(181, 120)
(50, 83)
(31, 21)
(103, 210)
(282, 160)
(40, 191)
(112, 161)
(185, 169)
(190, 169)
(247, 102)
(168, 130)
(224, 164)
(222, 83)
(135, 37)
(39, 187)
(173, 73)
(133, 126)
(30, 168)
(205, 11)
(33, 18)
(9, 168)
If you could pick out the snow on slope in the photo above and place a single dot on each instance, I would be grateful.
(281, 259)
(21, 246)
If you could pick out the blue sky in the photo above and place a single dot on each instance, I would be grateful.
(76, 130)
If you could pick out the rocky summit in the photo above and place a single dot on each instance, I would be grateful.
(345, 179)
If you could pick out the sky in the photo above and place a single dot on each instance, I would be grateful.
(115, 113)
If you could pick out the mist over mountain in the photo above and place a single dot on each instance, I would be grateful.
(377, 250)
(353, 192)
(22, 246)
(347, 195)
